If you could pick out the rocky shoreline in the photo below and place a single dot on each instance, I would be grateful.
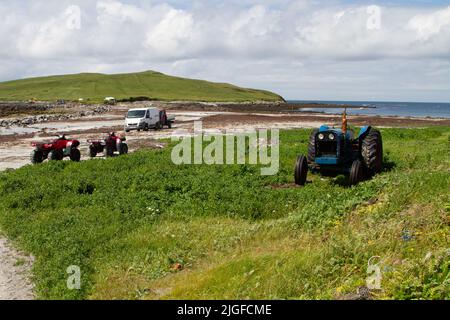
(42, 118)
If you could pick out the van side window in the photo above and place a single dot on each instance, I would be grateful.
(148, 114)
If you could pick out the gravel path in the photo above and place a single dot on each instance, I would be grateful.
(14, 271)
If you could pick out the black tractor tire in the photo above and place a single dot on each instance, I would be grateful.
(75, 155)
(56, 155)
(301, 171)
(92, 152)
(109, 152)
(356, 173)
(170, 125)
(312, 146)
(372, 152)
(124, 149)
(37, 156)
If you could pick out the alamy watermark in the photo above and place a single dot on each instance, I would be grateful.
(255, 147)
(373, 281)
(73, 17)
(74, 279)
(374, 20)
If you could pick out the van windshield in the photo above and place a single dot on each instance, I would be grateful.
(133, 114)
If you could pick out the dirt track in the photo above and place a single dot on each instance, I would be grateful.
(14, 274)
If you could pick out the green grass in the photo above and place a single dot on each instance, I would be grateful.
(153, 85)
(127, 221)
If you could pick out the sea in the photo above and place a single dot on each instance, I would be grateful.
(402, 109)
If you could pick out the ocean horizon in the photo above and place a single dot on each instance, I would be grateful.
(384, 108)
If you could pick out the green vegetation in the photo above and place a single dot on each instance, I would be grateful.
(152, 85)
(128, 221)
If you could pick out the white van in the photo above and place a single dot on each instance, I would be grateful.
(142, 119)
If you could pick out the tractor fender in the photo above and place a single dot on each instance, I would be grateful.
(363, 132)
(324, 128)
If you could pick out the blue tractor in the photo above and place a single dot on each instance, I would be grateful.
(339, 151)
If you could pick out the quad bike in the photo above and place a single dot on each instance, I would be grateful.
(55, 150)
(111, 144)
(339, 151)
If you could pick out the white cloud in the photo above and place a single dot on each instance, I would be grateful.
(283, 45)
(172, 36)
(429, 25)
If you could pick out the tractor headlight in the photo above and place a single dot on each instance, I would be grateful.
(321, 136)
(331, 136)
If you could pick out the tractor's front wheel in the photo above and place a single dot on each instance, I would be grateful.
(356, 172)
(75, 155)
(372, 152)
(301, 171)
(37, 156)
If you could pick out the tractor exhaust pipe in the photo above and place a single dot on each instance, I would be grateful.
(344, 122)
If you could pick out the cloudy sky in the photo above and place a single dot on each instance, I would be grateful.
(302, 49)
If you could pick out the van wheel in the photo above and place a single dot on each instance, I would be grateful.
(146, 127)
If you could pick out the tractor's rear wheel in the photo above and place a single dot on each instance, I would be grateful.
(312, 147)
(37, 156)
(124, 149)
(75, 155)
(372, 152)
(356, 172)
(56, 155)
(301, 171)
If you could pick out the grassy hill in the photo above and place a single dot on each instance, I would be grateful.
(127, 221)
(156, 86)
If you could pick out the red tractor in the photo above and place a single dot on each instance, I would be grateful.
(112, 143)
(56, 150)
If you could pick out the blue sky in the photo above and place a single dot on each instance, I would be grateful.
(302, 49)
